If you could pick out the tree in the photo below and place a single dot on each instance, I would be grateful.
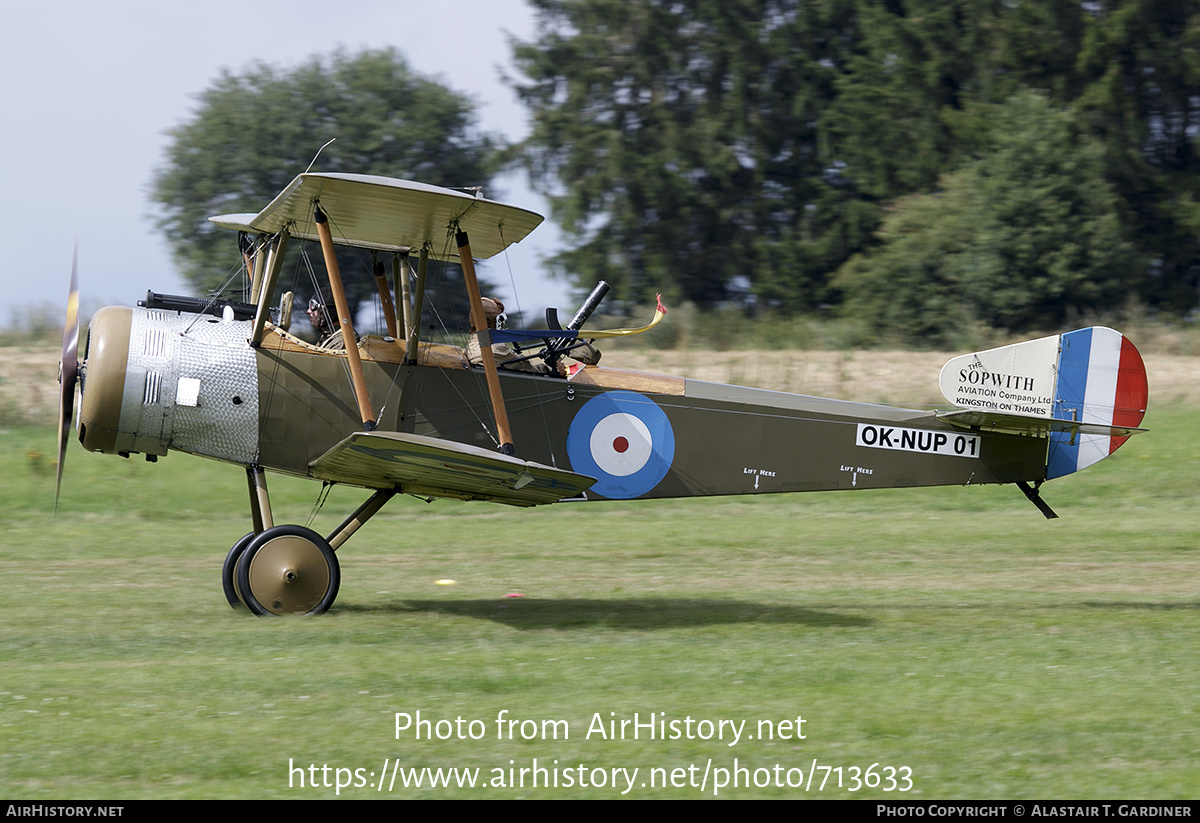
(1141, 61)
(679, 141)
(686, 143)
(1048, 229)
(253, 132)
(909, 67)
(907, 288)
(1021, 238)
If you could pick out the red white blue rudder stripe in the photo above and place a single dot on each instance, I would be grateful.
(1101, 380)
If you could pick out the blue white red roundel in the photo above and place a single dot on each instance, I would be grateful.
(624, 440)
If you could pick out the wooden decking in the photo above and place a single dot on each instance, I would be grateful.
(376, 349)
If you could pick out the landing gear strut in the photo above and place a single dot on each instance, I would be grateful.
(288, 569)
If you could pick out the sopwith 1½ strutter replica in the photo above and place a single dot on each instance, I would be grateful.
(397, 414)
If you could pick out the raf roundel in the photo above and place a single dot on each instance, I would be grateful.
(624, 440)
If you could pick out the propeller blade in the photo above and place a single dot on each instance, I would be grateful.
(68, 372)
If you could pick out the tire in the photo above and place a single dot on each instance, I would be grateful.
(288, 570)
(229, 571)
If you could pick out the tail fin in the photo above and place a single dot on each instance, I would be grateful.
(1101, 379)
(1086, 390)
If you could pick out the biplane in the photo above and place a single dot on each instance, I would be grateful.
(397, 414)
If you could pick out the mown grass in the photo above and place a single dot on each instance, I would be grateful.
(951, 631)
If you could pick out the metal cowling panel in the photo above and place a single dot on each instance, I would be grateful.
(217, 372)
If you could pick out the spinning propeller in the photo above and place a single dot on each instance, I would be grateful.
(68, 373)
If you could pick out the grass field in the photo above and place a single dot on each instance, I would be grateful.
(952, 633)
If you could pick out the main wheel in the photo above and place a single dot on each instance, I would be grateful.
(229, 571)
(288, 570)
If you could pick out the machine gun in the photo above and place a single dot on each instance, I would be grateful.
(198, 305)
(555, 350)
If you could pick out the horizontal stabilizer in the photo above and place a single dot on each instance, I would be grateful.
(431, 467)
(1086, 390)
(1029, 425)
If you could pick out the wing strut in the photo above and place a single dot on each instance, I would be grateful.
(418, 301)
(479, 321)
(266, 288)
(343, 307)
(385, 299)
(245, 245)
(400, 283)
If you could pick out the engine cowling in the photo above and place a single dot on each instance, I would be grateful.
(154, 380)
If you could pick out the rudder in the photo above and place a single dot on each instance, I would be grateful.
(1101, 380)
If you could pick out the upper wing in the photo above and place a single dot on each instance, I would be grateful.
(428, 466)
(389, 214)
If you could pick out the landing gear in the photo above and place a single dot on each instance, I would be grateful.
(1035, 497)
(288, 570)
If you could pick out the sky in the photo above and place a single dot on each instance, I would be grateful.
(88, 91)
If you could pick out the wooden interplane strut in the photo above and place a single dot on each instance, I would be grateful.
(479, 322)
(349, 338)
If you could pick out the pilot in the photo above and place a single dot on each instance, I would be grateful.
(322, 313)
(587, 354)
(492, 309)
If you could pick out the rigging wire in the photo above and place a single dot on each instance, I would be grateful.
(325, 309)
(225, 284)
(446, 335)
(322, 496)
(267, 393)
(512, 281)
